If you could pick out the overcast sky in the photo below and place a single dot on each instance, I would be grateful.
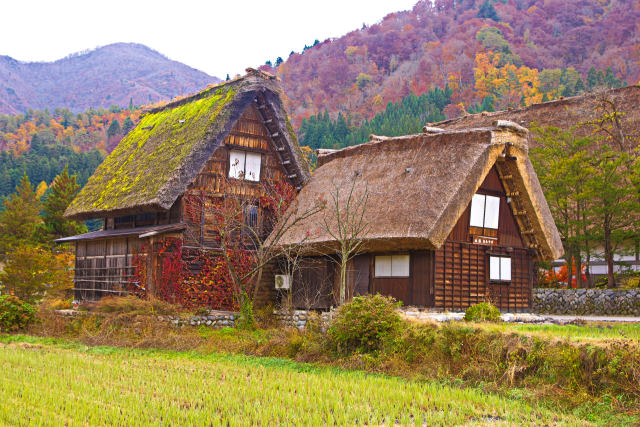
(217, 37)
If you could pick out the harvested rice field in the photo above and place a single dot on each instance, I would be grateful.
(47, 382)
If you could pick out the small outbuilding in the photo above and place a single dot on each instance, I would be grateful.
(453, 218)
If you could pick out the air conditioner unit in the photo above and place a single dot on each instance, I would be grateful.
(283, 281)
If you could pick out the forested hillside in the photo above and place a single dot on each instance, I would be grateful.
(502, 53)
(113, 74)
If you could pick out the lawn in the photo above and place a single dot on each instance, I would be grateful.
(590, 332)
(49, 382)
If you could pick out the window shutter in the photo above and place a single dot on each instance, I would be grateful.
(477, 210)
(492, 212)
(494, 268)
(383, 266)
(505, 269)
(236, 164)
(400, 265)
(252, 172)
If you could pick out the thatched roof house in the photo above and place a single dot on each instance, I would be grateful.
(162, 182)
(419, 186)
(425, 243)
(563, 113)
(153, 165)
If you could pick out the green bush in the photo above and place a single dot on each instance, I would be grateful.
(15, 314)
(482, 312)
(365, 324)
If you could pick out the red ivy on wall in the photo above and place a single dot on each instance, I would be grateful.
(193, 278)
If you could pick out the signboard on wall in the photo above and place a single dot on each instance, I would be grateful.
(482, 240)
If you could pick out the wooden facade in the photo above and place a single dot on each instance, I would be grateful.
(452, 277)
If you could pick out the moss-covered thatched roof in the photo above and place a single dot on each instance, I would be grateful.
(419, 186)
(155, 162)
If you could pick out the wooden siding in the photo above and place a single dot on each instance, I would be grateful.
(104, 267)
(461, 276)
(313, 283)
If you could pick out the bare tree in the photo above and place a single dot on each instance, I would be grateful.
(344, 220)
(249, 230)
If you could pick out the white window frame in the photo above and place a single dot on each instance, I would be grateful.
(503, 266)
(479, 205)
(401, 261)
(239, 171)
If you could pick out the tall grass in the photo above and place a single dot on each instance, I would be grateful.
(44, 383)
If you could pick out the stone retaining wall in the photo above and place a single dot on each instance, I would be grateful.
(214, 319)
(586, 301)
(298, 318)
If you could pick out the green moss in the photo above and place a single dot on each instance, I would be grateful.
(145, 159)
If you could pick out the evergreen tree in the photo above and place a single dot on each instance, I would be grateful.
(20, 218)
(488, 11)
(114, 129)
(55, 225)
(579, 88)
(228, 78)
(127, 125)
(279, 61)
(131, 107)
(592, 78)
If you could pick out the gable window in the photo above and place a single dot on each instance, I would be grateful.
(485, 211)
(245, 165)
(499, 269)
(392, 266)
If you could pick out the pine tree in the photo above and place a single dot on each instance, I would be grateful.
(592, 78)
(20, 218)
(114, 129)
(488, 11)
(131, 107)
(127, 125)
(579, 88)
(55, 225)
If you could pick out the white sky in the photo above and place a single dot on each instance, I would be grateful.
(217, 37)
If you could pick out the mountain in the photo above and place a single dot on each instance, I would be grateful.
(499, 53)
(113, 74)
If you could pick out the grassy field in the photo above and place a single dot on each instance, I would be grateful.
(589, 332)
(48, 382)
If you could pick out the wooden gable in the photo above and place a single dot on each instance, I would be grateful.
(508, 233)
(249, 134)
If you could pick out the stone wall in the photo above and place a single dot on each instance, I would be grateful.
(298, 318)
(214, 319)
(586, 301)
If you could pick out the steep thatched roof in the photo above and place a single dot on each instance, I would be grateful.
(153, 165)
(563, 113)
(419, 186)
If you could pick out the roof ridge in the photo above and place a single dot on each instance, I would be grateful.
(180, 100)
(560, 101)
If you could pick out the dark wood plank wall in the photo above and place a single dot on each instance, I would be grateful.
(461, 276)
(250, 134)
(104, 267)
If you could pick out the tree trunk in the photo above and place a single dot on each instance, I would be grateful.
(608, 255)
(569, 270)
(578, 261)
(343, 278)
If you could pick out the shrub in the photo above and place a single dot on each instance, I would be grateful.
(365, 324)
(482, 312)
(15, 314)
